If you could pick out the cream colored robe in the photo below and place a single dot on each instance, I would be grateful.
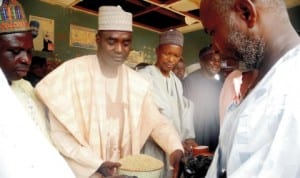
(82, 117)
(36, 110)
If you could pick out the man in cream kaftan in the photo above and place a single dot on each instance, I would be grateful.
(89, 124)
(260, 137)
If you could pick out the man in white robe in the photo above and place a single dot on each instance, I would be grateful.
(100, 110)
(168, 94)
(260, 136)
(24, 151)
(37, 111)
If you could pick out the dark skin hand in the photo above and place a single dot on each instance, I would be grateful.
(107, 169)
(188, 144)
(175, 159)
(122, 176)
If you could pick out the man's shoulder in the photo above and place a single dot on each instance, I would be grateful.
(147, 70)
(193, 75)
(82, 60)
(23, 88)
(137, 83)
(76, 65)
(21, 84)
(136, 77)
(148, 73)
(287, 66)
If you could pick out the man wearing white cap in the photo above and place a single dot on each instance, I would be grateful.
(168, 93)
(100, 110)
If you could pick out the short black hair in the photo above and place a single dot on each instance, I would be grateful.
(34, 23)
(141, 65)
(38, 61)
(204, 50)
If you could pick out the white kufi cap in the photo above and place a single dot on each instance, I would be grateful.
(114, 18)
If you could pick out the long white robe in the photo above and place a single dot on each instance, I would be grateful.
(24, 151)
(260, 137)
(168, 97)
(88, 126)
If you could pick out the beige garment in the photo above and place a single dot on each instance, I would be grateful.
(36, 110)
(235, 88)
(230, 92)
(81, 115)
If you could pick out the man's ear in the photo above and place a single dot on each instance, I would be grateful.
(247, 11)
(98, 37)
(157, 50)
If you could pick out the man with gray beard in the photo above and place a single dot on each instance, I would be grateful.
(260, 136)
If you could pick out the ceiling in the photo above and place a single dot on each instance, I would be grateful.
(154, 15)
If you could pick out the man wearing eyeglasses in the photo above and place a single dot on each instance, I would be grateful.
(168, 93)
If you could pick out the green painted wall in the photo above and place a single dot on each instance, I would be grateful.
(294, 14)
(63, 18)
(193, 42)
(143, 40)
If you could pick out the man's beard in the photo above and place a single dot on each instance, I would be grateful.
(248, 49)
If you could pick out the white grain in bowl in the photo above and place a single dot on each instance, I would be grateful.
(142, 166)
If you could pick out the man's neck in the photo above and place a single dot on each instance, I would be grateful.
(164, 73)
(207, 74)
(277, 47)
(107, 70)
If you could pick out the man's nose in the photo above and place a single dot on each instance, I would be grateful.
(118, 48)
(25, 57)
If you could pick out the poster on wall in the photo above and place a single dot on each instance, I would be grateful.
(43, 33)
(134, 58)
(140, 56)
(83, 37)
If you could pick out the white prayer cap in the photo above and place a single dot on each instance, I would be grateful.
(114, 18)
